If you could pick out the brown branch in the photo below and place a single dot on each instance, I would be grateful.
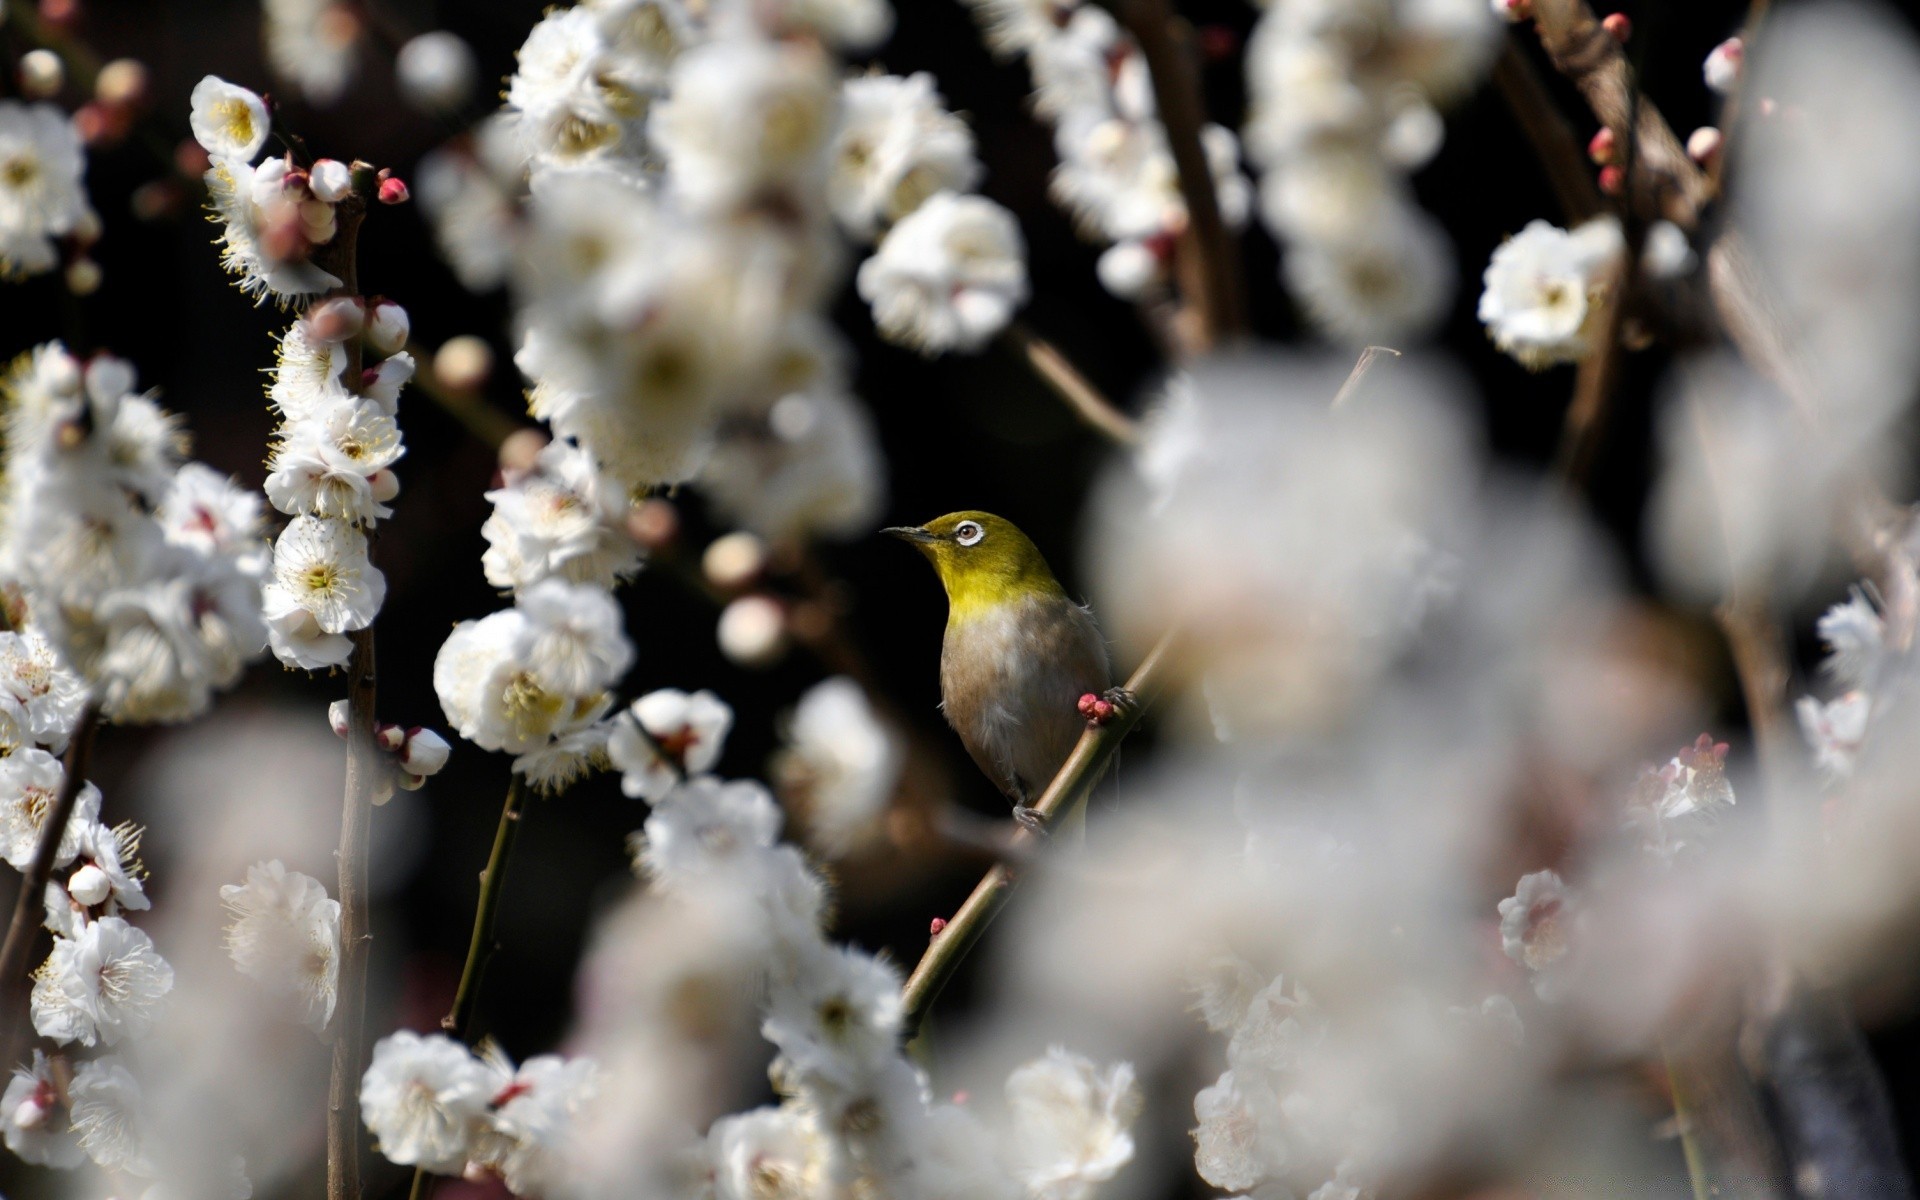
(1554, 142)
(1666, 183)
(1593, 383)
(1207, 244)
(1361, 366)
(1086, 400)
(467, 406)
(29, 907)
(1062, 799)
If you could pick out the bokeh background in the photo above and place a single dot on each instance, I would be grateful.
(977, 432)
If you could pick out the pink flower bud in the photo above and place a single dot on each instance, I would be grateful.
(386, 485)
(1613, 180)
(1703, 143)
(1086, 704)
(1619, 25)
(425, 752)
(388, 327)
(336, 320)
(1722, 68)
(330, 180)
(1600, 146)
(939, 924)
(393, 190)
(1513, 11)
(337, 717)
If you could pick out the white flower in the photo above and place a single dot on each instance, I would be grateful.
(268, 229)
(836, 1020)
(1722, 66)
(41, 192)
(30, 783)
(102, 986)
(1392, 286)
(949, 276)
(813, 468)
(46, 697)
(576, 97)
(34, 1117)
(436, 71)
(1836, 729)
(1070, 1123)
(571, 755)
(424, 752)
(324, 464)
(1856, 639)
(528, 1144)
(839, 766)
(897, 145)
(1232, 1144)
(110, 1116)
(766, 1154)
(1536, 921)
(703, 826)
(321, 566)
(1672, 805)
(576, 644)
(312, 44)
(665, 736)
(1541, 290)
(228, 120)
(307, 373)
(106, 879)
(744, 117)
(563, 518)
(1017, 26)
(285, 934)
(517, 678)
(208, 512)
(425, 1099)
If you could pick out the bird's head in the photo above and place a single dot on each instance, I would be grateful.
(983, 560)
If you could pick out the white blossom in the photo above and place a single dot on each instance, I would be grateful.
(836, 1019)
(897, 145)
(1071, 1123)
(665, 736)
(325, 464)
(269, 225)
(947, 277)
(285, 935)
(111, 1118)
(30, 783)
(228, 120)
(425, 1099)
(533, 1119)
(106, 879)
(1672, 805)
(42, 196)
(34, 1117)
(207, 512)
(705, 826)
(320, 567)
(1543, 287)
(102, 986)
(812, 468)
(1536, 921)
(1836, 729)
(563, 518)
(744, 117)
(40, 696)
(436, 71)
(839, 765)
(312, 44)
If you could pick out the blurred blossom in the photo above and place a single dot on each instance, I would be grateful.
(810, 467)
(312, 45)
(839, 766)
(949, 277)
(436, 71)
(42, 196)
(1546, 287)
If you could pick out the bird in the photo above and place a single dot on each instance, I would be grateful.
(1019, 657)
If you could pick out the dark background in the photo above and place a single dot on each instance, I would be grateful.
(958, 433)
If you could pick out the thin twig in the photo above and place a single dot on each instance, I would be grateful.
(1167, 46)
(1086, 400)
(480, 419)
(1554, 142)
(1361, 366)
(492, 886)
(1063, 797)
(29, 907)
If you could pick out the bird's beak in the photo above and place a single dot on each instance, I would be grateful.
(911, 533)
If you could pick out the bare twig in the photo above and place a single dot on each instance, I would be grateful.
(492, 880)
(1062, 798)
(1086, 401)
(1593, 383)
(1207, 243)
(1730, 1150)
(1666, 183)
(1554, 142)
(29, 907)
(482, 420)
(1361, 366)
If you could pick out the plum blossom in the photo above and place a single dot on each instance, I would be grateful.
(102, 986)
(426, 1099)
(1542, 290)
(42, 194)
(666, 736)
(285, 935)
(949, 276)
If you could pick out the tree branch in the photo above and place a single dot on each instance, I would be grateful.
(492, 879)
(29, 907)
(1063, 796)
(1086, 400)
(1554, 142)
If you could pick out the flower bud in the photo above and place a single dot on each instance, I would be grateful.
(1613, 180)
(89, 886)
(386, 485)
(42, 74)
(388, 736)
(83, 277)
(317, 223)
(520, 453)
(122, 83)
(1127, 269)
(753, 631)
(338, 717)
(393, 190)
(463, 363)
(336, 320)
(1600, 148)
(1619, 25)
(1513, 11)
(938, 924)
(30, 1113)
(388, 327)
(1722, 68)
(436, 72)
(383, 383)
(1703, 143)
(734, 560)
(654, 524)
(424, 752)
(330, 180)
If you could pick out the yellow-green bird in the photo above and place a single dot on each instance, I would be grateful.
(1018, 656)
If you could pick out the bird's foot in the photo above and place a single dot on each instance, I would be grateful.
(1105, 706)
(1029, 819)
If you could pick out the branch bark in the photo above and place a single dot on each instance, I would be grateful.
(1553, 140)
(1063, 797)
(29, 907)
(1087, 402)
(492, 880)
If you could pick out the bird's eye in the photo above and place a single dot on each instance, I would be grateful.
(968, 533)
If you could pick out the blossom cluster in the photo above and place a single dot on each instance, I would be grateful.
(1116, 174)
(43, 194)
(140, 568)
(1344, 103)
